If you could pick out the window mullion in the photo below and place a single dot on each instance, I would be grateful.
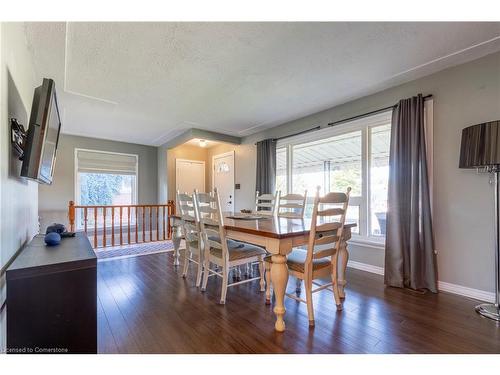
(364, 209)
(368, 181)
(289, 166)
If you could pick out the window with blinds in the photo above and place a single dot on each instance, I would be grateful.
(105, 179)
(91, 161)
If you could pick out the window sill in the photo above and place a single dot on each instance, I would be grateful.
(367, 242)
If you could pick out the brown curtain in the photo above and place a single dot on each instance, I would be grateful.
(410, 260)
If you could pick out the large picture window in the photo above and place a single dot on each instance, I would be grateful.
(354, 154)
(105, 179)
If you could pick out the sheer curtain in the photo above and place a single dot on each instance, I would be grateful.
(410, 260)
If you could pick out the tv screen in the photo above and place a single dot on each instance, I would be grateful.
(43, 134)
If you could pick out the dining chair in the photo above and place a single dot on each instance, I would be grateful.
(266, 204)
(221, 251)
(193, 252)
(321, 257)
(292, 206)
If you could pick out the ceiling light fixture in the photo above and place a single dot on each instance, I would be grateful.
(203, 143)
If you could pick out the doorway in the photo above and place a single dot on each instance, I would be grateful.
(189, 175)
(223, 179)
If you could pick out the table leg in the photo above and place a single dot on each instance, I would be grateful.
(176, 239)
(344, 257)
(279, 279)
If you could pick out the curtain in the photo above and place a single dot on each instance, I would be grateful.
(266, 166)
(410, 260)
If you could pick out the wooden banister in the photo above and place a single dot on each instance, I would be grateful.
(71, 216)
(171, 212)
(100, 216)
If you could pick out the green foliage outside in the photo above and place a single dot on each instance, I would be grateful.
(341, 179)
(99, 188)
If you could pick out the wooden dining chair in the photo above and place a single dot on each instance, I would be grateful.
(193, 252)
(321, 257)
(266, 204)
(292, 206)
(221, 251)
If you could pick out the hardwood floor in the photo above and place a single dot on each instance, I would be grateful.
(145, 306)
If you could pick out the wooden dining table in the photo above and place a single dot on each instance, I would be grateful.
(278, 235)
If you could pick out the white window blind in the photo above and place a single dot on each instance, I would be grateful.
(89, 161)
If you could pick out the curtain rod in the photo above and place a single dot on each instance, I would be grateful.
(344, 120)
(369, 113)
(299, 133)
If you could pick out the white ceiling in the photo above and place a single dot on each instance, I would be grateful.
(147, 82)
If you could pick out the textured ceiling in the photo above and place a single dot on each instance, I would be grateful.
(147, 82)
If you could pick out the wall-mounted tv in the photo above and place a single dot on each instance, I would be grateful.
(43, 134)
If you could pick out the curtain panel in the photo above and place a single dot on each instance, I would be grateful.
(266, 166)
(410, 260)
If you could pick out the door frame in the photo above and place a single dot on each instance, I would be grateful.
(202, 162)
(229, 153)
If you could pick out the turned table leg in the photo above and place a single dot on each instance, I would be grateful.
(176, 239)
(342, 265)
(279, 279)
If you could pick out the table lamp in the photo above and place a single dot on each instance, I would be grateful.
(480, 149)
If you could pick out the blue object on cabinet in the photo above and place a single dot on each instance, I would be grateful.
(52, 239)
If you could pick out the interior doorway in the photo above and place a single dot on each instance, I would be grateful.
(189, 175)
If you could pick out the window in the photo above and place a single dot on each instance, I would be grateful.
(354, 154)
(105, 179)
(281, 177)
(380, 137)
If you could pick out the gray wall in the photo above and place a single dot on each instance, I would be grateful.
(463, 201)
(463, 207)
(53, 199)
(19, 197)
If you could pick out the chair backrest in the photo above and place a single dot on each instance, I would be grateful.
(327, 225)
(292, 205)
(189, 216)
(266, 204)
(211, 221)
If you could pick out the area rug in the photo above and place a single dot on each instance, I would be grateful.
(133, 250)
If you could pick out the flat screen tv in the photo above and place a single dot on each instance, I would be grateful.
(43, 134)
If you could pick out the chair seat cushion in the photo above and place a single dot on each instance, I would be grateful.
(242, 252)
(297, 258)
(231, 244)
(192, 244)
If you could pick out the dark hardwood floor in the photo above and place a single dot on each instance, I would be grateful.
(145, 306)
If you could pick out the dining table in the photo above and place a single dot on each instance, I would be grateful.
(278, 235)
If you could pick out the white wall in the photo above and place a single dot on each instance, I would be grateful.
(19, 198)
(463, 201)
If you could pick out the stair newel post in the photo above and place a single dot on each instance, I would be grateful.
(71, 215)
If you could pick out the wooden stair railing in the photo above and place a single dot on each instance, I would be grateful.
(142, 224)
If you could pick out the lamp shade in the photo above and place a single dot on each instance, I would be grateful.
(480, 145)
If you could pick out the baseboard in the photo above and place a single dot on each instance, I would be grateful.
(365, 267)
(133, 255)
(480, 295)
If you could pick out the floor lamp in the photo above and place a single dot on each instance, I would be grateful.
(480, 149)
